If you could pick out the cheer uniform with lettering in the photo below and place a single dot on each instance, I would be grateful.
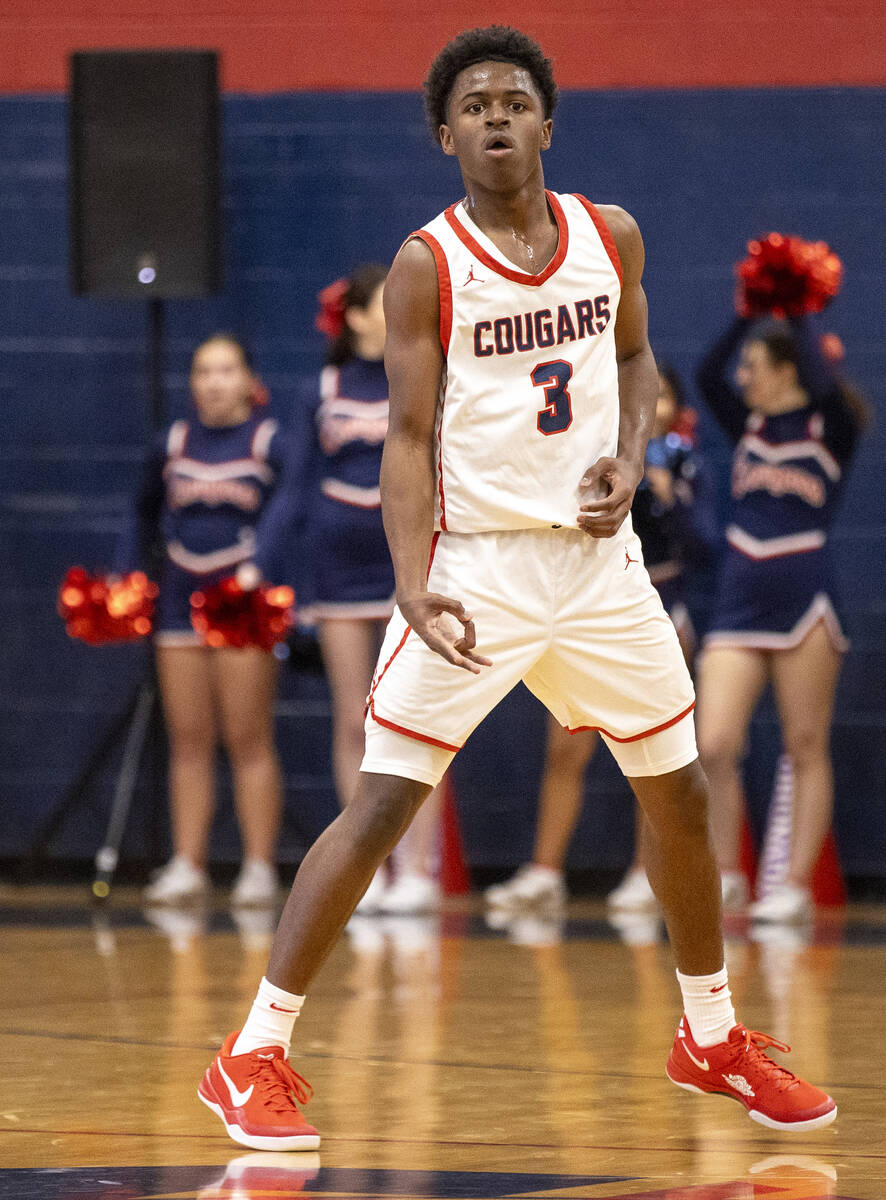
(777, 576)
(347, 555)
(528, 402)
(211, 498)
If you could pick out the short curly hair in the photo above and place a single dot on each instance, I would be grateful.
(495, 43)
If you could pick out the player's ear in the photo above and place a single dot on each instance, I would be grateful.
(446, 141)
(547, 130)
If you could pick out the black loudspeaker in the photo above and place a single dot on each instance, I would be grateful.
(145, 196)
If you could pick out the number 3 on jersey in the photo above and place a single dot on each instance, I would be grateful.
(556, 416)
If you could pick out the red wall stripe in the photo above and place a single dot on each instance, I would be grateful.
(360, 44)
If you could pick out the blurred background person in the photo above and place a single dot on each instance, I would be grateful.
(218, 496)
(795, 424)
(351, 577)
(673, 514)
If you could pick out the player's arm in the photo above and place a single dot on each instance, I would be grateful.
(614, 480)
(414, 365)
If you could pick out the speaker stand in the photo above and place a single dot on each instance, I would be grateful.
(139, 720)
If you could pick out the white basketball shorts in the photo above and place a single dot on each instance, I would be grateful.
(574, 617)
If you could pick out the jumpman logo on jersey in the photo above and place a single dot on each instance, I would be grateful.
(628, 559)
(472, 278)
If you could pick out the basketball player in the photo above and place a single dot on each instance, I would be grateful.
(522, 394)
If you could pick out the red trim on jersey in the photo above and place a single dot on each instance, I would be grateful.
(637, 737)
(434, 540)
(444, 285)
(512, 273)
(410, 733)
(604, 231)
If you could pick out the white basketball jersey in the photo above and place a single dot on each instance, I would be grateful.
(529, 396)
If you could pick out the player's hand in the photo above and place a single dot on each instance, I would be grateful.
(443, 624)
(610, 484)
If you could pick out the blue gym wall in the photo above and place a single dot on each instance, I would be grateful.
(313, 184)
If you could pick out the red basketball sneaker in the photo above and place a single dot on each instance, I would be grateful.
(253, 1095)
(739, 1069)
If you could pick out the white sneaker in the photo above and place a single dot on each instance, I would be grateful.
(176, 883)
(734, 890)
(371, 899)
(411, 894)
(532, 885)
(634, 893)
(786, 904)
(256, 885)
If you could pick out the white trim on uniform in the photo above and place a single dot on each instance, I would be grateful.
(177, 637)
(348, 493)
(175, 441)
(213, 472)
(215, 560)
(763, 548)
(788, 451)
(359, 610)
(261, 439)
(821, 609)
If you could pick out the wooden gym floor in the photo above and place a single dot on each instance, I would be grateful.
(449, 1059)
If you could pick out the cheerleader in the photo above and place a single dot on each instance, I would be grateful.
(219, 494)
(795, 425)
(352, 577)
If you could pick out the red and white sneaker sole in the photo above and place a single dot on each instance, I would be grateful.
(761, 1118)
(303, 1141)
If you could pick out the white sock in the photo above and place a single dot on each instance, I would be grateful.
(707, 1003)
(270, 1020)
(545, 872)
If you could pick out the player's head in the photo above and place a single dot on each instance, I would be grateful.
(476, 47)
(223, 383)
(352, 315)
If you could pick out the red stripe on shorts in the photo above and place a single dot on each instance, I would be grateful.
(636, 737)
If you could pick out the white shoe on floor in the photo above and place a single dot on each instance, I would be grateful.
(410, 894)
(371, 899)
(634, 893)
(176, 883)
(532, 885)
(256, 885)
(786, 904)
(734, 890)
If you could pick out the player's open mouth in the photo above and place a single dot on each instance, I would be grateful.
(498, 143)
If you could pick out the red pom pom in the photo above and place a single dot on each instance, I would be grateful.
(98, 612)
(226, 615)
(786, 276)
(331, 317)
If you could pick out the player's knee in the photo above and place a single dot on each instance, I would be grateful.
(383, 806)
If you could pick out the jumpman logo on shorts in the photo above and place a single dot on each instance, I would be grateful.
(472, 278)
(628, 559)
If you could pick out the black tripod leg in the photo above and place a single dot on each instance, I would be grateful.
(73, 794)
(107, 857)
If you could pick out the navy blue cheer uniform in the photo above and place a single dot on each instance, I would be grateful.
(351, 574)
(217, 496)
(679, 538)
(777, 576)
